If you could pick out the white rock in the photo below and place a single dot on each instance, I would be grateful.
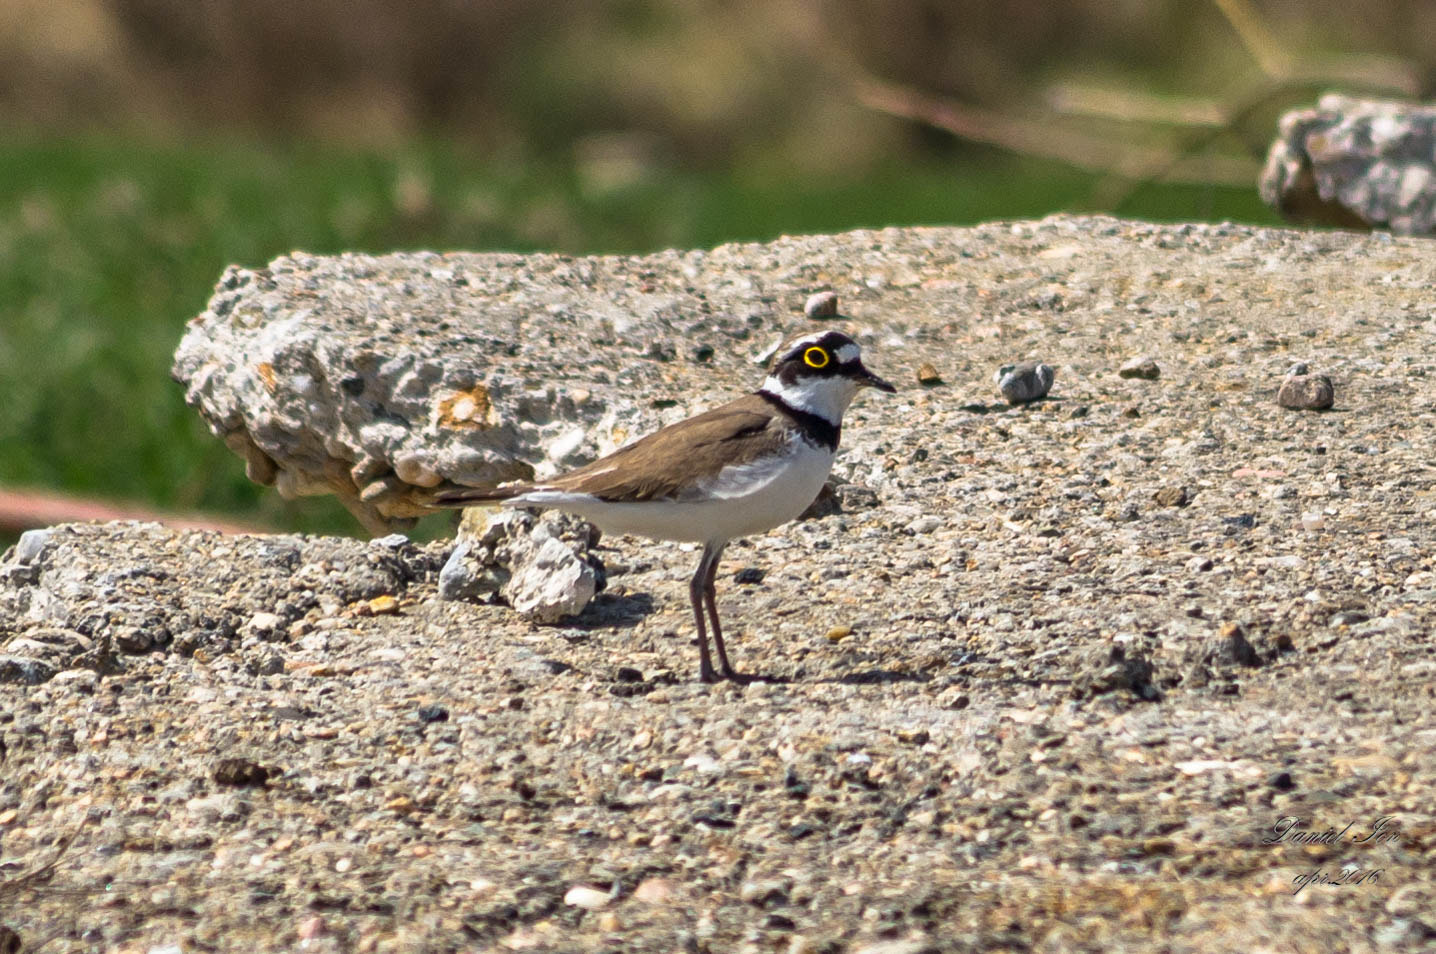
(911, 946)
(87, 677)
(549, 583)
(703, 764)
(583, 896)
(31, 544)
(262, 624)
(653, 890)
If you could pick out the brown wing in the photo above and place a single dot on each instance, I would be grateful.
(666, 462)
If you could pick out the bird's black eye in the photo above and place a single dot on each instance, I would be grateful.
(816, 357)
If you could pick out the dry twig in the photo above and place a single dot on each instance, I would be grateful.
(1041, 138)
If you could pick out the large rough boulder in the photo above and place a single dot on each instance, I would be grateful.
(1355, 163)
(381, 379)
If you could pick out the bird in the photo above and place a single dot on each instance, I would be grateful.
(742, 468)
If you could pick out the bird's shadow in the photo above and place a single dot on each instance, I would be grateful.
(875, 677)
(611, 609)
(1004, 407)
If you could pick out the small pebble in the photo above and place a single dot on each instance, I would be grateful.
(924, 525)
(379, 606)
(31, 545)
(588, 898)
(1142, 368)
(749, 575)
(769, 891)
(1109, 668)
(909, 946)
(463, 578)
(1234, 647)
(400, 805)
(1411, 900)
(954, 698)
(132, 639)
(241, 772)
(1306, 392)
(653, 890)
(1401, 934)
(838, 633)
(23, 669)
(264, 624)
(1172, 497)
(1024, 383)
(927, 375)
(823, 304)
(433, 713)
(1158, 846)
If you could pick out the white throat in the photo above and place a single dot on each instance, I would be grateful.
(826, 397)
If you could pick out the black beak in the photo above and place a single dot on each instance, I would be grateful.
(866, 379)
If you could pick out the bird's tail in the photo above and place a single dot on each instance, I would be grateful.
(469, 496)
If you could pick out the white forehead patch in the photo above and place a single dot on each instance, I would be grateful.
(797, 345)
(845, 353)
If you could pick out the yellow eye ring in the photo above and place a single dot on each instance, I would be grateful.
(816, 357)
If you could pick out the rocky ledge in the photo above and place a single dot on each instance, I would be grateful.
(1140, 665)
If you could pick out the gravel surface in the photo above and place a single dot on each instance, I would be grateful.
(1055, 674)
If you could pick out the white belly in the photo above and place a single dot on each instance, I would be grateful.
(738, 502)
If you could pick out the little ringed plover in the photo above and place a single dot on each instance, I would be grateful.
(739, 469)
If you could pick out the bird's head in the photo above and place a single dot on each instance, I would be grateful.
(821, 372)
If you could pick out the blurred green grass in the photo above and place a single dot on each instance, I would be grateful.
(107, 247)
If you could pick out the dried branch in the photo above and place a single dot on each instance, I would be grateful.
(1274, 61)
(1132, 106)
(1366, 70)
(1042, 138)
